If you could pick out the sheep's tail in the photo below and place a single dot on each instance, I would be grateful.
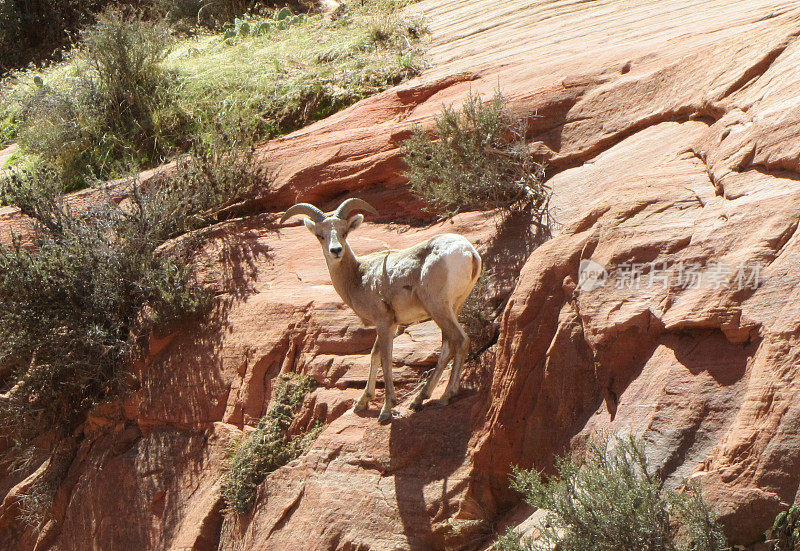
(477, 264)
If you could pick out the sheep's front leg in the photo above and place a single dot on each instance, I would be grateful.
(369, 391)
(385, 343)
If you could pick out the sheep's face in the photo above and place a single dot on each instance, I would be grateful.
(332, 234)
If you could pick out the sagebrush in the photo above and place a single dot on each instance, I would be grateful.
(77, 300)
(476, 158)
(611, 500)
(116, 112)
(268, 447)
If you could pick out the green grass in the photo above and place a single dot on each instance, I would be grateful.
(287, 78)
(274, 82)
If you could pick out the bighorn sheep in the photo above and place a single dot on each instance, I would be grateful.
(387, 289)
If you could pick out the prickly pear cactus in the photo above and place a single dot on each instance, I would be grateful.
(283, 13)
(245, 26)
(242, 27)
(261, 28)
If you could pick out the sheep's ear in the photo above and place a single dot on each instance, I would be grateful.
(312, 227)
(355, 222)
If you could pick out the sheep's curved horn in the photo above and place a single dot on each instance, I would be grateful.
(304, 208)
(351, 205)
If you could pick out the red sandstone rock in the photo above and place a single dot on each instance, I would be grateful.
(671, 132)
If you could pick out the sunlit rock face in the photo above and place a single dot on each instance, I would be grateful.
(671, 132)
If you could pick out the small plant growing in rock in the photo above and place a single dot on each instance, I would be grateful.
(511, 541)
(613, 501)
(269, 446)
(478, 317)
(785, 532)
(476, 158)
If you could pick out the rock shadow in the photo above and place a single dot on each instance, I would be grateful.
(710, 351)
(427, 448)
(182, 378)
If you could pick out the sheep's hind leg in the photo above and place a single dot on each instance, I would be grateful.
(430, 383)
(460, 353)
(455, 375)
(386, 342)
(455, 335)
(369, 391)
(453, 339)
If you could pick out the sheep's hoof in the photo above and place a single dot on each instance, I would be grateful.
(385, 416)
(360, 407)
(416, 406)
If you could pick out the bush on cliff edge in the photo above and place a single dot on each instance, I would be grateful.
(476, 158)
(77, 302)
(613, 501)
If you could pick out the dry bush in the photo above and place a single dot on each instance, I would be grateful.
(73, 307)
(476, 158)
(612, 501)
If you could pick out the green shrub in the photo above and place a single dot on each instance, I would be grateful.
(74, 306)
(216, 13)
(116, 113)
(268, 447)
(475, 158)
(511, 541)
(612, 501)
(785, 532)
(118, 105)
(32, 30)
